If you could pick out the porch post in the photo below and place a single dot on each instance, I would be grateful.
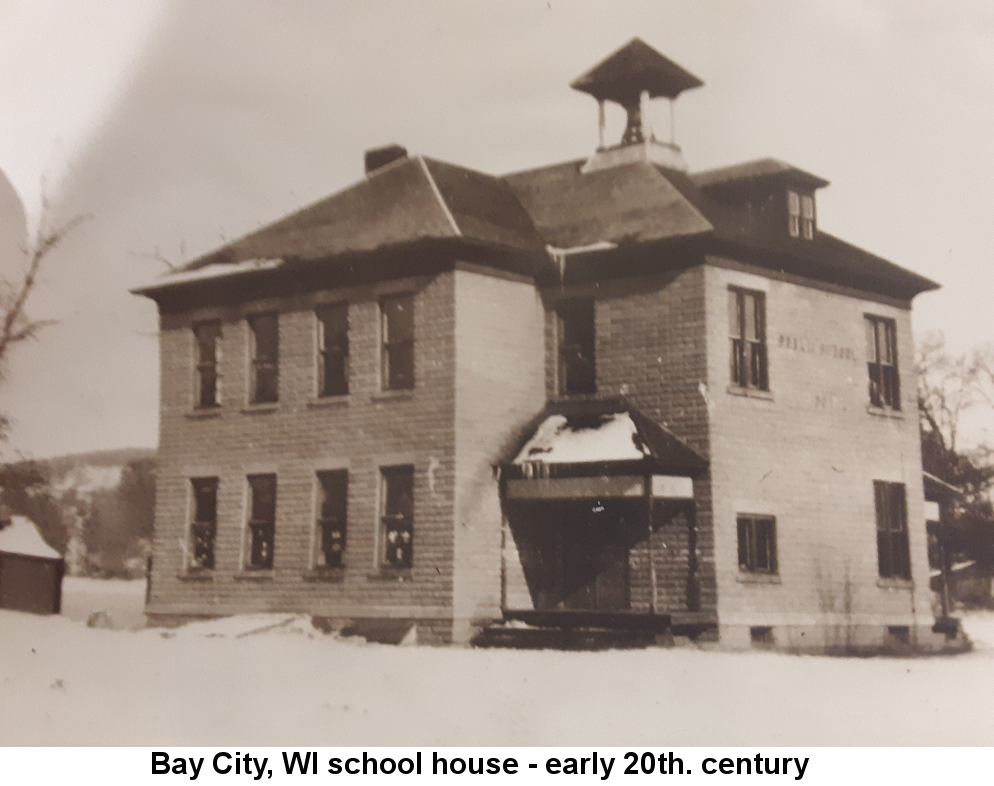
(654, 599)
(503, 561)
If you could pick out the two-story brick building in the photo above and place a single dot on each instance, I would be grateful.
(603, 393)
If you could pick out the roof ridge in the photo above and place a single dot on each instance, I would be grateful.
(438, 195)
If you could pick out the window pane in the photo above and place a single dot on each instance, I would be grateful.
(334, 494)
(807, 206)
(263, 497)
(577, 345)
(734, 313)
(871, 340)
(398, 319)
(334, 321)
(205, 499)
(207, 334)
(749, 304)
(398, 516)
(793, 203)
(744, 560)
(400, 366)
(265, 331)
(265, 358)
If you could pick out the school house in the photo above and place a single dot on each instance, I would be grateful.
(609, 394)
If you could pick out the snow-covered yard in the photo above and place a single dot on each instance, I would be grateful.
(276, 681)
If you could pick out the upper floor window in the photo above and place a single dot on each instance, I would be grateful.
(397, 334)
(801, 215)
(333, 349)
(208, 338)
(397, 510)
(262, 521)
(893, 557)
(577, 338)
(757, 544)
(265, 358)
(747, 330)
(333, 499)
(203, 528)
(881, 360)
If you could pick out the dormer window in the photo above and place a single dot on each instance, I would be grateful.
(801, 215)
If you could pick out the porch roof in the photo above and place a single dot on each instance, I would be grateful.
(581, 438)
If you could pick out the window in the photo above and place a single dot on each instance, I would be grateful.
(262, 520)
(881, 359)
(265, 358)
(208, 337)
(397, 352)
(577, 337)
(747, 329)
(397, 502)
(203, 528)
(757, 544)
(333, 349)
(801, 215)
(892, 530)
(333, 498)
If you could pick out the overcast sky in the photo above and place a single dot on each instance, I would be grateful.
(179, 124)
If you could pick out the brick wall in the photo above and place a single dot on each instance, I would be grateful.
(807, 454)
(650, 350)
(302, 434)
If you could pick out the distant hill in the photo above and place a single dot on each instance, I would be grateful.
(99, 469)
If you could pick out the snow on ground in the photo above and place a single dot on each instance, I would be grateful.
(274, 680)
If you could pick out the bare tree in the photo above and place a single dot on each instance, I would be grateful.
(16, 326)
(950, 386)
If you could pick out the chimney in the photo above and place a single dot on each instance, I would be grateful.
(379, 157)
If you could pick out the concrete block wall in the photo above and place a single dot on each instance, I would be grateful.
(807, 453)
(499, 388)
(294, 439)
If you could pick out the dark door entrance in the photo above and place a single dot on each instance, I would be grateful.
(583, 553)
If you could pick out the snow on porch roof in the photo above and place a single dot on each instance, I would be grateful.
(603, 432)
(21, 537)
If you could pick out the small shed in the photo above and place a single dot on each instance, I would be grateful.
(30, 570)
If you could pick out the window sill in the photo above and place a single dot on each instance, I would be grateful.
(205, 413)
(258, 409)
(735, 390)
(884, 412)
(198, 575)
(758, 578)
(331, 575)
(391, 574)
(328, 401)
(393, 395)
(255, 574)
(895, 583)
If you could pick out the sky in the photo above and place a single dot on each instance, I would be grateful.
(176, 125)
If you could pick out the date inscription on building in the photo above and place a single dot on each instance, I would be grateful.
(815, 347)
